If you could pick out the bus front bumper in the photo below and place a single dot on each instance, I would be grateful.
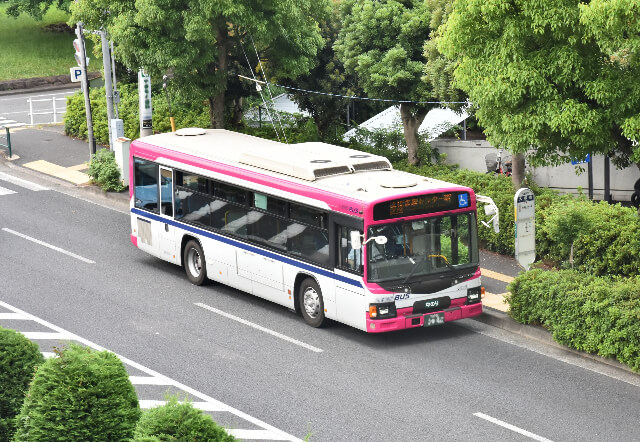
(409, 320)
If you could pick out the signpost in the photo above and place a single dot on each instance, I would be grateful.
(525, 216)
(82, 60)
(144, 95)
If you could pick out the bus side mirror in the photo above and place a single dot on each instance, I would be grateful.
(356, 241)
(490, 209)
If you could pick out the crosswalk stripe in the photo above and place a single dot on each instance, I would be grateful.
(148, 380)
(45, 335)
(254, 434)
(4, 191)
(22, 183)
(204, 406)
(14, 316)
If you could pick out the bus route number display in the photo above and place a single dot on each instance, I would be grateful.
(420, 205)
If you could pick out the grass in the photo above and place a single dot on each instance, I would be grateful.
(28, 50)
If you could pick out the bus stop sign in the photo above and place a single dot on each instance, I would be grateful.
(525, 215)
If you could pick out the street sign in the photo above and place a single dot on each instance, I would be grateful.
(144, 95)
(587, 159)
(525, 216)
(76, 74)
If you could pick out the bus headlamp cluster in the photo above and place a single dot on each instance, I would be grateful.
(382, 311)
(474, 295)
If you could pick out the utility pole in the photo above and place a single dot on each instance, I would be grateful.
(108, 86)
(81, 58)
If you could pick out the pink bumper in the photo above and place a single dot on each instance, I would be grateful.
(134, 240)
(402, 322)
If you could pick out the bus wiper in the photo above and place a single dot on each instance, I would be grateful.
(415, 268)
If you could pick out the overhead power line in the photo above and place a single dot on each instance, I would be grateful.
(352, 97)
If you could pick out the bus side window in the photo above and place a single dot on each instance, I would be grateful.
(146, 184)
(349, 258)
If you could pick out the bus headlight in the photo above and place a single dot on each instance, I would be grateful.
(382, 311)
(473, 295)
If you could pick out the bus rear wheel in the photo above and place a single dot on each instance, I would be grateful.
(311, 303)
(194, 263)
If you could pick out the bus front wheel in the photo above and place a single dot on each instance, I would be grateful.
(194, 263)
(311, 303)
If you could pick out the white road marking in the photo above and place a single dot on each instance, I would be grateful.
(46, 335)
(512, 427)
(4, 191)
(272, 432)
(48, 354)
(14, 316)
(147, 380)
(204, 406)
(22, 183)
(21, 98)
(259, 327)
(52, 247)
(252, 434)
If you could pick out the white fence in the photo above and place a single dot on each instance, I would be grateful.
(56, 110)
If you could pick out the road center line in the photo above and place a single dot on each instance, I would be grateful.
(259, 327)
(511, 427)
(52, 247)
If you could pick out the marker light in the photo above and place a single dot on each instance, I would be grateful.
(373, 311)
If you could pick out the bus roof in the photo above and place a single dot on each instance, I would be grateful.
(351, 173)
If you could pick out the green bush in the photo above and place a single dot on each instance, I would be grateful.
(80, 395)
(19, 358)
(594, 314)
(186, 113)
(176, 421)
(104, 170)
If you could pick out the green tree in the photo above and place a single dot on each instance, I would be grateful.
(381, 42)
(201, 44)
(542, 76)
(35, 8)
(19, 358)
(80, 395)
(329, 77)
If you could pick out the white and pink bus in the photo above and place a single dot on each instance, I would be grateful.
(331, 232)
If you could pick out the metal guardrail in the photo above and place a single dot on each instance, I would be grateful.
(6, 125)
(55, 111)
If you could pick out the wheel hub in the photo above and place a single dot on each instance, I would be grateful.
(311, 302)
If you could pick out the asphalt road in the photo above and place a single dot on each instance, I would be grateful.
(461, 381)
(17, 107)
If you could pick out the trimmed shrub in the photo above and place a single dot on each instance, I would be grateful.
(178, 421)
(594, 314)
(19, 358)
(104, 171)
(80, 395)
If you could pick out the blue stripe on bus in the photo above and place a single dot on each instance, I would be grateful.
(248, 247)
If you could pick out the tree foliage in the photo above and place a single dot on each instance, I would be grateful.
(543, 76)
(80, 395)
(204, 44)
(382, 43)
(19, 358)
(35, 8)
(327, 76)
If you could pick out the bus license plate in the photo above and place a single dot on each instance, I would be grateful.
(433, 319)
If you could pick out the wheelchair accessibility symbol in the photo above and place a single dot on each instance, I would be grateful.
(463, 200)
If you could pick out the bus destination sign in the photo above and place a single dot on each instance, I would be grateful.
(420, 205)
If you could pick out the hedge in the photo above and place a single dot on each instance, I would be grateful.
(178, 421)
(80, 395)
(19, 358)
(594, 314)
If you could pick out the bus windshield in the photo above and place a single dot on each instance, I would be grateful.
(422, 247)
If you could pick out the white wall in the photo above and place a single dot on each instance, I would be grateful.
(470, 155)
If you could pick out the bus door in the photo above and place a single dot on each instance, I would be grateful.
(351, 303)
(167, 243)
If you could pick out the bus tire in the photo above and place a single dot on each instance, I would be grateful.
(311, 303)
(195, 264)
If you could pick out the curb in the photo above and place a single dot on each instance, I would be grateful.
(498, 319)
(53, 87)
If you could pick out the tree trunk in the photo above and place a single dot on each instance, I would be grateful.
(236, 121)
(517, 170)
(410, 124)
(216, 102)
